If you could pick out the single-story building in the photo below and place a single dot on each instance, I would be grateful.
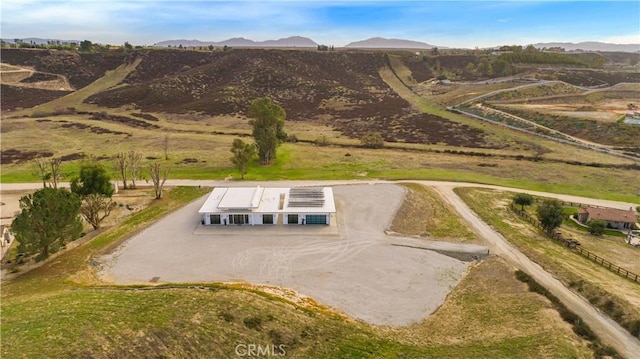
(259, 205)
(613, 218)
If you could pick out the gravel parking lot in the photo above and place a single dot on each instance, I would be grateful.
(350, 266)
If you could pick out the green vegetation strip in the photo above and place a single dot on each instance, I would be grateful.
(579, 326)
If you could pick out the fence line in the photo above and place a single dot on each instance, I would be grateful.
(575, 245)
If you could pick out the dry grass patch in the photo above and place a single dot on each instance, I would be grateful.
(424, 213)
(491, 306)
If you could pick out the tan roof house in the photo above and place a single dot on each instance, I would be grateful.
(613, 218)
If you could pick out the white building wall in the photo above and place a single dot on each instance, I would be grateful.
(254, 218)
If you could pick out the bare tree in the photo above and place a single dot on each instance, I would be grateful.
(166, 147)
(41, 170)
(95, 208)
(133, 159)
(158, 182)
(56, 174)
(539, 151)
(121, 165)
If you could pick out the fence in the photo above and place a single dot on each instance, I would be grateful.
(575, 245)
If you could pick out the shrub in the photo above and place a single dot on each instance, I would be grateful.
(39, 114)
(596, 227)
(253, 323)
(372, 140)
(292, 138)
(227, 317)
(322, 141)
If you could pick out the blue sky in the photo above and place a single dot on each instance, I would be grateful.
(443, 23)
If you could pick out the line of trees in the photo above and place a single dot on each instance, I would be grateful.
(83, 46)
(52, 216)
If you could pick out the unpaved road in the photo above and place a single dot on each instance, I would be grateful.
(609, 331)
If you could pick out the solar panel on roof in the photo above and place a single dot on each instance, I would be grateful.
(306, 197)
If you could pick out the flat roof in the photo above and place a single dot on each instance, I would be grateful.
(241, 198)
(262, 200)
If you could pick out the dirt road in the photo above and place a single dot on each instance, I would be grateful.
(610, 332)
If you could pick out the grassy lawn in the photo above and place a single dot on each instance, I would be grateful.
(615, 295)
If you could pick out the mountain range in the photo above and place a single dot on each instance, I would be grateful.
(293, 41)
(372, 43)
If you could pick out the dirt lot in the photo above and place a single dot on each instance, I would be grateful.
(353, 268)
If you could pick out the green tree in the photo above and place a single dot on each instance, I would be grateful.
(596, 227)
(523, 199)
(85, 45)
(267, 119)
(242, 154)
(128, 46)
(49, 219)
(550, 214)
(95, 188)
(372, 140)
(93, 179)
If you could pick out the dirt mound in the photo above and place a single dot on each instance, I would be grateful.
(80, 68)
(14, 97)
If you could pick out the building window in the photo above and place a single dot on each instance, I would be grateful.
(215, 219)
(292, 218)
(238, 219)
(267, 219)
(316, 219)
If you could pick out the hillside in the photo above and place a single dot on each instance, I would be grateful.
(225, 82)
(342, 90)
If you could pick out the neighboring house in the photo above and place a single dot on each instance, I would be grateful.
(258, 205)
(613, 218)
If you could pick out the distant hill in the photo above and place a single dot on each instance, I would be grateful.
(591, 46)
(40, 41)
(293, 41)
(382, 43)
